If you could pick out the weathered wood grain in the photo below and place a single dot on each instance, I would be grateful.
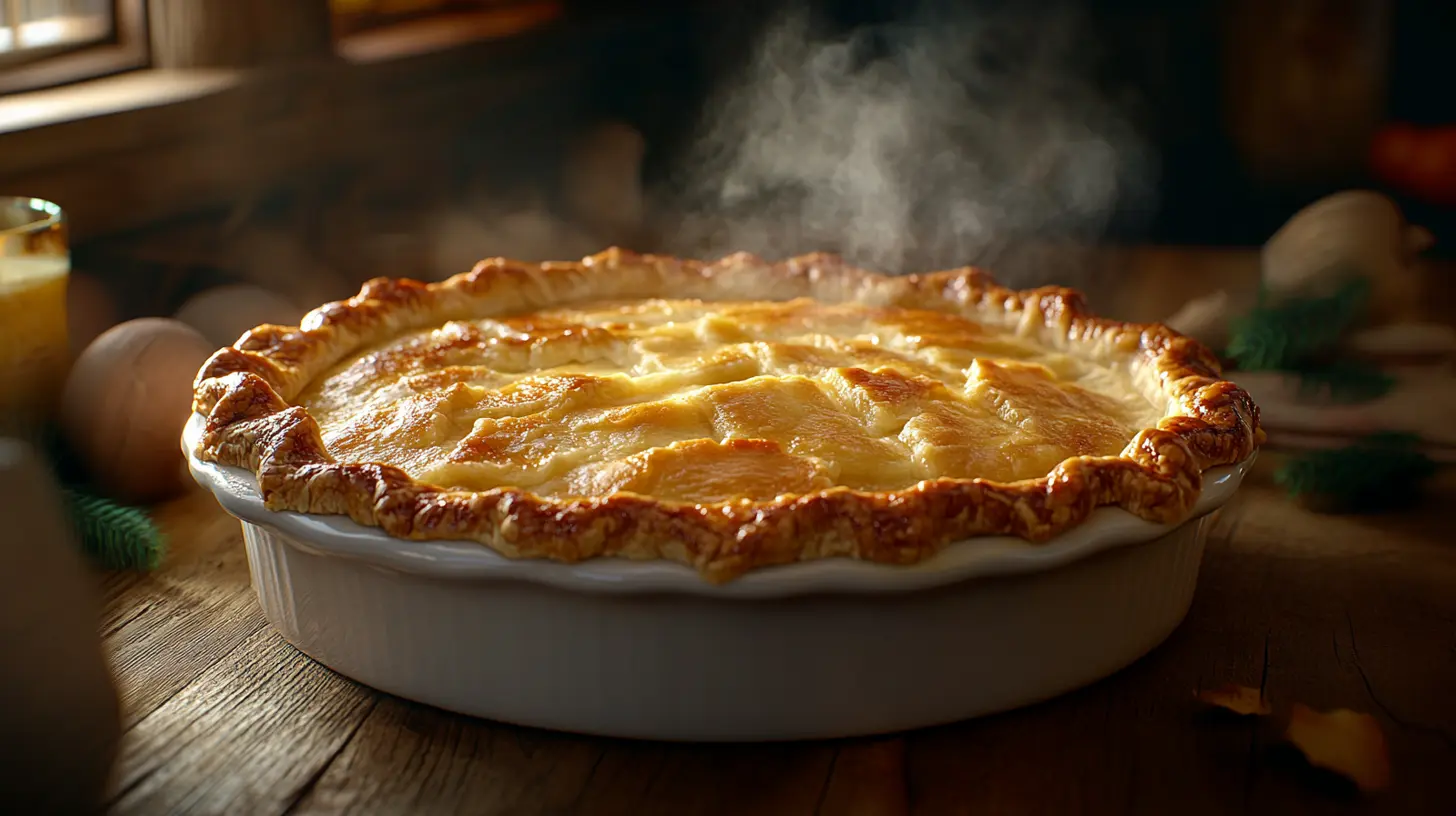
(1328, 611)
(868, 778)
(247, 736)
(196, 609)
(1137, 742)
(408, 758)
(1360, 615)
(655, 779)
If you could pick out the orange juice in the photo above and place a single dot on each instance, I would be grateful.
(34, 349)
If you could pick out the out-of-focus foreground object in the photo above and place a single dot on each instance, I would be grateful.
(61, 716)
(34, 347)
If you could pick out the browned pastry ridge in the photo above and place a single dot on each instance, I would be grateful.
(250, 395)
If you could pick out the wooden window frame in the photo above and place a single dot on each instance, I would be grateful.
(443, 29)
(126, 50)
(350, 25)
(225, 110)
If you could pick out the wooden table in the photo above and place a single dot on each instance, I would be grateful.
(1335, 612)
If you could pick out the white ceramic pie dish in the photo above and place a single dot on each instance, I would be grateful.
(818, 649)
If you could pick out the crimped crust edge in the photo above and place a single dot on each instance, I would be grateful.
(243, 391)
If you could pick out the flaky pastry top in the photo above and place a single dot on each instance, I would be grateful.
(726, 415)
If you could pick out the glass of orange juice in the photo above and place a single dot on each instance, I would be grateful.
(35, 263)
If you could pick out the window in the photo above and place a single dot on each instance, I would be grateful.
(45, 43)
(49, 42)
(38, 27)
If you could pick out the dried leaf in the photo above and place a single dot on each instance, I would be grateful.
(1241, 700)
(1346, 742)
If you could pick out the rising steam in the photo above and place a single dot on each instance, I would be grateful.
(924, 145)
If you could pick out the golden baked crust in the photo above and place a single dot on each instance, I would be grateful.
(725, 415)
(708, 401)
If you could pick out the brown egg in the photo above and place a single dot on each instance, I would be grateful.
(223, 313)
(125, 402)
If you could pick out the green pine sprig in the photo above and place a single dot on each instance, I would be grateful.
(1289, 334)
(114, 535)
(1377, 472)
(1301, 336)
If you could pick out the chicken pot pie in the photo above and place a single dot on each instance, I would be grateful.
(726, 415)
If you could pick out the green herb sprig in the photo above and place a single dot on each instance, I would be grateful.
(1301, 336)
(1283, 335)
(1377, 472)
(115, 536)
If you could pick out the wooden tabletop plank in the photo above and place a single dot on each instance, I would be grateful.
(868, 778)
(1353, 605)
(409, 758)
(250, 735)
(179, 622)
(662, 778)
(1138, 743)
(1129, 743)
(1328, 611)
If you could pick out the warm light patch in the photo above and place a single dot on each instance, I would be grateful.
(1241, 700)
(1347, 742)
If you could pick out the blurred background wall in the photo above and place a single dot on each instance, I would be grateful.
(305, 151)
